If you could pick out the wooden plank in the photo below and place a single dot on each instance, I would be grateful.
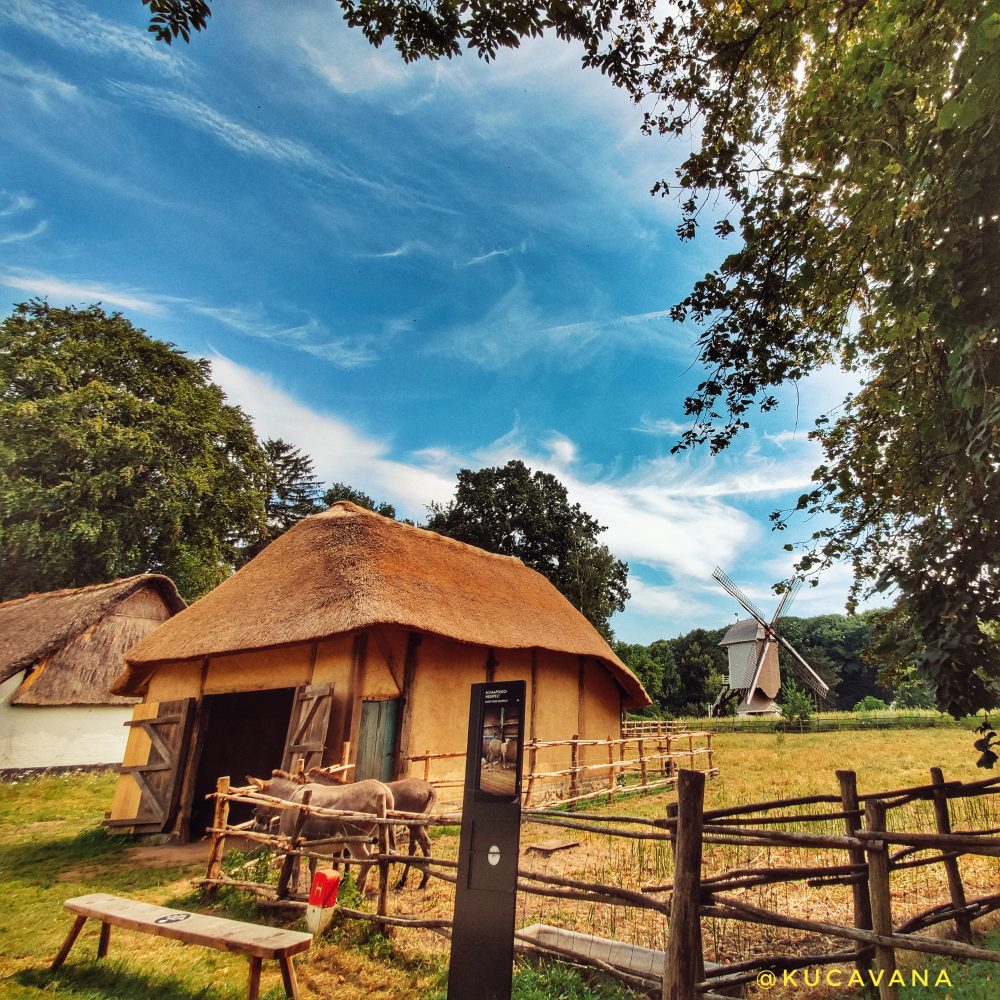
(405, 721)
(220, 933)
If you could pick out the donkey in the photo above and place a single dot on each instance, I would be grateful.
(411, 795)
(362, 797)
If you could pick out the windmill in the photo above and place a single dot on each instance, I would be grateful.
(752, 645)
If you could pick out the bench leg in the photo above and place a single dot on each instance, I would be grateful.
(102, 945)
(253, 986)
(74, 933)
(288, 977)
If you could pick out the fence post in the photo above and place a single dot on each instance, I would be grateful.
(288, 865)
(684, 966)
(427, 766)
(859, 888)
(611, 770)
(532, 768)
(219, 820)
(963, 928)
(881, 900)
(383, 865)
(574, 776)
(642, 762)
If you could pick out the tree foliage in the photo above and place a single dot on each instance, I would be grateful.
(853, 147)
(341, 491)
(516, 512)
(118, 455)
(292, 493)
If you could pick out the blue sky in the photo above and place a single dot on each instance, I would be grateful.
(403, 270)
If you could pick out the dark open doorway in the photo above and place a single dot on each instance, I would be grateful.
(244, 734)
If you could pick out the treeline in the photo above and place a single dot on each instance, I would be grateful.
(119, 455)
(685, 675)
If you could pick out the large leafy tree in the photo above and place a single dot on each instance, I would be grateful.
(293, 493)
(517, 512)
(342, 491)
(118, 455)
(853, 146)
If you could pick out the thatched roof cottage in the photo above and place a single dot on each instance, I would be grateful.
(353, 637)
(59, 653)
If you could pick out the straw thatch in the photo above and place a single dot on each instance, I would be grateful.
(348, 569)
(73, 641)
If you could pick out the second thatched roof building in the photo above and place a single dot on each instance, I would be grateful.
(353, 638)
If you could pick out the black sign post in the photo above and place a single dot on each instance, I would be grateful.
(482, 940)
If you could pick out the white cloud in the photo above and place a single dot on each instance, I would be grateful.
(662, 427)
(81, 293)
(340, 452)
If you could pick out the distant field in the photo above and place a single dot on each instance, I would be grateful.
(52, 847)
(911, 718)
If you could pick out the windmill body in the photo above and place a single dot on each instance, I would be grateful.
(744, 643)
(752, 647)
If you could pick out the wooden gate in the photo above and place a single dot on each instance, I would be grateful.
(377, 740)
(154, 759)
(309, 726)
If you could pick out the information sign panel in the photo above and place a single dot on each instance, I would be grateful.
(482, 943)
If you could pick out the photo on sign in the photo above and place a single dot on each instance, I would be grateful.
(499, 774)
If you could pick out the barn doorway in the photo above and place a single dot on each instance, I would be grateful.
(377, 740)
(243, 733)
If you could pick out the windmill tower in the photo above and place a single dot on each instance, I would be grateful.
(752, 645)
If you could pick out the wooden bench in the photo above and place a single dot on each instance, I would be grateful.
(254, 940)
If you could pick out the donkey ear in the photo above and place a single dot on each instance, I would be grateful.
(255, 781)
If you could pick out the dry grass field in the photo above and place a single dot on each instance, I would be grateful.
(52, 847)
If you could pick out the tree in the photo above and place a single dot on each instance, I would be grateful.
(516, 512)
(293, 492)
(853, 147)
(118, 455)
(701, 669)
(341, 491)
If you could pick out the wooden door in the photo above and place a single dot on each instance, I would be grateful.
(158, 778)
(309, 726)
(377, 740)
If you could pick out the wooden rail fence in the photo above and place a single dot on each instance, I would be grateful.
(846, 840)
(647, 758)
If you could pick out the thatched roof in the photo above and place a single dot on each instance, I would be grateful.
(348, 569)
(35, 629)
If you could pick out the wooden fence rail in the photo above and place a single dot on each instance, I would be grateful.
(863, 857)
(647, 758)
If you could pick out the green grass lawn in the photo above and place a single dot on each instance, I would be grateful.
(52, 846)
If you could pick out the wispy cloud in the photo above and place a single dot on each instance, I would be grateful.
(409, 248)
(310, 337)
(13, 202)
(73, 26)
(493, 254)
(516, 325)
(40, 86)
(81, 293)
(237, 136)
(36, 230)
(661, 427)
